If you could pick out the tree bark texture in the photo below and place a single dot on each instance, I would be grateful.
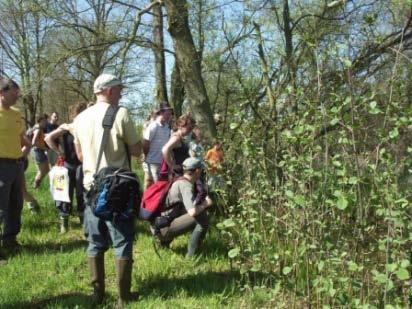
(177, 90)
(160, 64)
(189, 63)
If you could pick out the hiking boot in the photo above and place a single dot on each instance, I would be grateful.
(64, 225)
(124, 281)
(96, 265)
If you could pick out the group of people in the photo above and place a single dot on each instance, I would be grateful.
(176, 154)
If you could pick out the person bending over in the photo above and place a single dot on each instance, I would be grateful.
(184, 214)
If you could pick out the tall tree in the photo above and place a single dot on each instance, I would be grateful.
(189, 63)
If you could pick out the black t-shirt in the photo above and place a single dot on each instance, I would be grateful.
(50, 127)
(70, 157)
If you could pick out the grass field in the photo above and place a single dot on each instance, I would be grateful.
(50, 270)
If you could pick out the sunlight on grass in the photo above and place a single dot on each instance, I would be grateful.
(51, 269)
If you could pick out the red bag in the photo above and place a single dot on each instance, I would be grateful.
(153, 199)
(164, 170)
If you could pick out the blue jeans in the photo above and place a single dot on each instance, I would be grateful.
(39, 155)
(103, 233)
(11, 197)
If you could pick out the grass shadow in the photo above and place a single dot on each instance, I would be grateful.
(64, 246)
(69, 300)
(212, 246)
(195, 285)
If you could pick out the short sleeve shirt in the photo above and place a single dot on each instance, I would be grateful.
(11, 128)
(157, 134)
(182, 192)
(88, 133)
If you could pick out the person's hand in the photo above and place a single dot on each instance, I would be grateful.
(177, 169)
(208, 201)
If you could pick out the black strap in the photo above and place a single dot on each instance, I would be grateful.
(107, 124)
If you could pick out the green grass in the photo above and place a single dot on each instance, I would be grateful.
(50, 271)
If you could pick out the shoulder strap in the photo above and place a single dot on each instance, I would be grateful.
(107, 124)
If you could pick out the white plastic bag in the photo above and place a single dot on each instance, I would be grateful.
(59, 183)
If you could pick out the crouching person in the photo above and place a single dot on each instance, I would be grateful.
(101, 233)
(184, 214)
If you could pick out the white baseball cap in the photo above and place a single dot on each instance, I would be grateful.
(104, 81)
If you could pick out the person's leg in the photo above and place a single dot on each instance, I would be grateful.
(122, 234)
(97, 237)
(199, 224)
(42, 165)
(178, 226)
(28, 197)
(12, 215)
(43, 169)
(6, 180)
(154, 171)
(51, 157)
(148, 178)
(72, 186)
(198, 234)
(79, 192)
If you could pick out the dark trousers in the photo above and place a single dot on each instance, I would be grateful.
(75, 183)
(184, 223)
(11, 198)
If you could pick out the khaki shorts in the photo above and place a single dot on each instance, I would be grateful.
(151, 171)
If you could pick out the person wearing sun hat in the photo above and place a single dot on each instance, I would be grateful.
(184, 214)
(155, 136)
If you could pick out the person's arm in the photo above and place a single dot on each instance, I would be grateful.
(173, 142)
(79, 153)
(129, 134)
(52, 137)
(146, 147)
(201, 207)
(192, 152)
(25, 145)
(136, 149)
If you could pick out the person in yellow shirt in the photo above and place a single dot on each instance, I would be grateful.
(11, 163)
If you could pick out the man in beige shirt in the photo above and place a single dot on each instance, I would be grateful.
(88, 132)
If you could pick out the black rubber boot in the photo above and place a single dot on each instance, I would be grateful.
(124, 281)
(96, 265)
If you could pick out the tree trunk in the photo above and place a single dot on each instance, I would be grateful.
(189, 63)
(177, 91)
(160, 65)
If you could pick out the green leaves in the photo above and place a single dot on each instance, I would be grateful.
(373, 109)
(286, 270)
(342, 202)
(402, 274)
(233, 253)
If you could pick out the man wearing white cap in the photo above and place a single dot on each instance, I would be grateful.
(88, 132)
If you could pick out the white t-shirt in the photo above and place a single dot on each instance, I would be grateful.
(158, 135)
